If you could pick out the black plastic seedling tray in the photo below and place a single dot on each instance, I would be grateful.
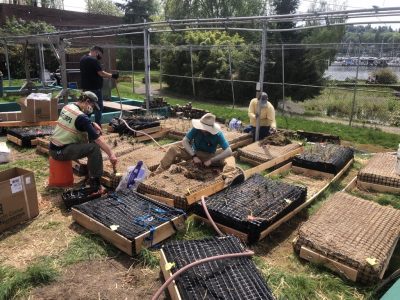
(253, 205)
(229, 279)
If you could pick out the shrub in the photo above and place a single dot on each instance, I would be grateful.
(385, 76)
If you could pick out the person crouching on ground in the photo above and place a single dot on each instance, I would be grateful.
(75, 137)
(200, 145)
(267, 117)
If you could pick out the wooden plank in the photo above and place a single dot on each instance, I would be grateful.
(212, 189)
(117, 106)
(283, 169)
(312, 256)
(273, 162)
(156, 135)
(113, 237)
(161, 232)
(305, 204)
(14, 139)
(377, 187)
(312, 173)
(388, 259)
(351, 185)
(249, 161)
(26, 124)
(42, 150)
(239, 144)
(172, 288)
(228, 230)
(165, 200)
(34, 142)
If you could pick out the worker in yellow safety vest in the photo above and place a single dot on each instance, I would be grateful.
(75, 137)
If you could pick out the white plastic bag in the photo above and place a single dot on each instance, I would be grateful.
(4, 153)
(133, 176)
(235, 124)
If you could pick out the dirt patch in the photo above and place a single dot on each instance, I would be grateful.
(103, 279)
(48, 234)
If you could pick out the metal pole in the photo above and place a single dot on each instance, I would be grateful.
(191, 68)
(147, 68)
(8, 65)
(133, 68)
(353, 105)
(41, 64)
(283, 78)
(261, 81)
(160, 77)
(230, 74)
(63, 71)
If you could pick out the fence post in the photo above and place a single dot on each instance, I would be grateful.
(160, 77)
(283, 78)
(353, 105)
(8, 64)
(261, 79)
(133, 68)
(63, 71)
(191, 68)
(231, 76)
(147, 67)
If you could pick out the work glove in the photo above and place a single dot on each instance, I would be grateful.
(115, 75)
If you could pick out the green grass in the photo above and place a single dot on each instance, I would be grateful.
(148, 258)
(86, 247)
(15, 283)
(194, 230)
(307, 282)
(225, 111)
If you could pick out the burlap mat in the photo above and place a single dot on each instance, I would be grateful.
(265, 153)
(179, 181)
(381, 169)
(351, 230)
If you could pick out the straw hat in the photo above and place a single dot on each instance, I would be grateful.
(207, 123)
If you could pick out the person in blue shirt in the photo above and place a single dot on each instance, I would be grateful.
(200, 145)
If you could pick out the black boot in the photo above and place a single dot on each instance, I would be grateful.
(95, 185)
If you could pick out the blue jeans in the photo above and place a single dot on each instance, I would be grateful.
(98, 113)
(264, 131)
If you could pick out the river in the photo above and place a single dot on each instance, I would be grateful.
(343, 72)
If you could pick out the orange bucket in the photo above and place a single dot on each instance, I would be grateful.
(60, 173)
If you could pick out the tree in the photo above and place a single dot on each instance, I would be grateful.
(210, 63)
(103, 7)
(181, 9)
(136, 11)
(14, 27)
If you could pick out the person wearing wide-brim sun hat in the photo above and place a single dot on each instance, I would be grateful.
(200, 145)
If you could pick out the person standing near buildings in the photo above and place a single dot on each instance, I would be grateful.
(92, 76)
(267, 117)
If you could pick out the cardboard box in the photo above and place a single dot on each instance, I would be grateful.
(39, 107)
(18, 197)
(10, 116)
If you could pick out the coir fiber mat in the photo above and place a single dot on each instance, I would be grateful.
(253, 205)
(151, 155)
(262, 153)
(182, 181)
(351, 236)
(327, 158)
(129, 220)
(236, 278)
(381, 169)
(23, 136)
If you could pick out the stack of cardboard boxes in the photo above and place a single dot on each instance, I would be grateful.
(36, 107)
